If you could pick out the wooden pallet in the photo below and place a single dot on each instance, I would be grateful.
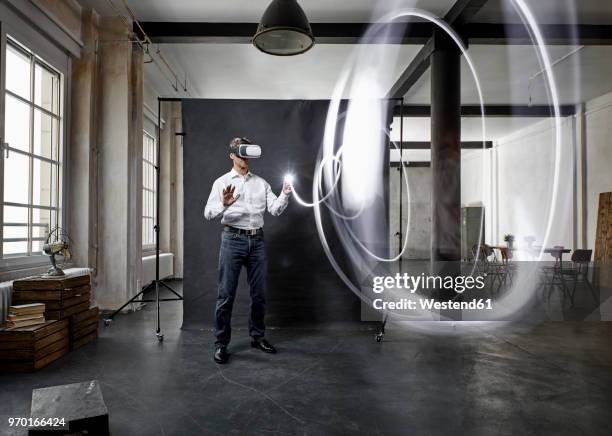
(25, 349)
(83, 327)
(603, 237)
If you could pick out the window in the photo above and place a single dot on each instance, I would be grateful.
(32, 194)
(149, 187)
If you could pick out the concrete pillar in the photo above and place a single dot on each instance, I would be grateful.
(119, 140)
(82, 202)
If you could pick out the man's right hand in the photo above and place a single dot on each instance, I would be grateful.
(228, 196)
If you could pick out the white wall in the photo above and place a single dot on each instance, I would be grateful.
(518, 182)
(476, 183)
(515, 182)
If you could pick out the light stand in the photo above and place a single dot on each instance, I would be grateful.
(156, 283)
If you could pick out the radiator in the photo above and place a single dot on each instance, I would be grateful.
(166, 267)
(6, 290)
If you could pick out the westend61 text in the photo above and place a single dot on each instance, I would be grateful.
(431, 304)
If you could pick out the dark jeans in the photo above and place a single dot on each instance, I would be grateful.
(238, 251)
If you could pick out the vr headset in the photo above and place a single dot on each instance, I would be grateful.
(249, 151)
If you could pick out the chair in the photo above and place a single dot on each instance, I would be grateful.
(553, 275)
(579, 271)
(491, 267)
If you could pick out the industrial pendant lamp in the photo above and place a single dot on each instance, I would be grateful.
(284, 30)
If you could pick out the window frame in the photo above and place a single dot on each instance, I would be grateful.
(149, 248)
(57, 60)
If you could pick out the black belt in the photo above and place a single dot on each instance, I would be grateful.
(251, 232)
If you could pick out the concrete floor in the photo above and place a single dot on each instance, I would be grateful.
(555, 378)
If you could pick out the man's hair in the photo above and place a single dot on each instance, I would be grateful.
(236, 143)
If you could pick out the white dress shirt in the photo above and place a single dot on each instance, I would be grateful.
(255, 195)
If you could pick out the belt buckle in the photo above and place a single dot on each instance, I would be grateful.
(252, 232)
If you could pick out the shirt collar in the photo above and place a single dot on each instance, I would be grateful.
(233, 173)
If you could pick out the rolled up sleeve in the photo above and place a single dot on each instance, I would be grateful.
(276, 205)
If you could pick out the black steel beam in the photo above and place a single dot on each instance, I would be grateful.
(425, 145)
(553, 34)
(418, 164)
(458, 16)
(538, 111)
(395, 33)
(325, 33)
(413, 72)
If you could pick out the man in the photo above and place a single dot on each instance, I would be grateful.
(240, 199)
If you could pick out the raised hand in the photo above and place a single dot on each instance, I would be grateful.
(228, 196)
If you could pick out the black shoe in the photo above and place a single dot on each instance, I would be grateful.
(221, 354)
(263, 345)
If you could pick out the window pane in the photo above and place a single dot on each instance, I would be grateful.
(14, 214)
(44, 183)
(14, 231)
(17, 124)
(15, 222)
(16, 171)
(45, 135)
(46, 88)
(43, 221)
(17, 72)
(14, 248)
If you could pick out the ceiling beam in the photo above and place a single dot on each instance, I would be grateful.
(413, 164)
(395, 33)
(458, 16)
(325, 33)
(553, 34)
(493, 111)
(426, 145)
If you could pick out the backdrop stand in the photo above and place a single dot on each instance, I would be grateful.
(381, 331)
(156, 283)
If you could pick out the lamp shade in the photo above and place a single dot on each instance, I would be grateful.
(284, 30)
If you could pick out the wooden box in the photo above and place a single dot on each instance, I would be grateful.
(83, 327)
(62, 296)
(39, 283)
(25, 349)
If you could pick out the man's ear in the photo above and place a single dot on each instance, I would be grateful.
(231, 156)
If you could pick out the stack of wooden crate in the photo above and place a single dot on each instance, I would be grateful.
(25, 349)
(67, 300)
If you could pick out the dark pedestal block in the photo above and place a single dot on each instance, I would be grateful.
(80, 405)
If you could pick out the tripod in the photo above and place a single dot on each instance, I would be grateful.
(156, 283)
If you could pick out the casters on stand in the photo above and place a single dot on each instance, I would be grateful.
(381, 332)
(107, 322)
(160, 336)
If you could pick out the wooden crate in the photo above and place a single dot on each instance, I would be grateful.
(25, 349)
(56, 296)
(66, 312)
(63, 297)
(83, 327)
(38, 283)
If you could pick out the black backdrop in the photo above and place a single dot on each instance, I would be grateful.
(302, 289)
